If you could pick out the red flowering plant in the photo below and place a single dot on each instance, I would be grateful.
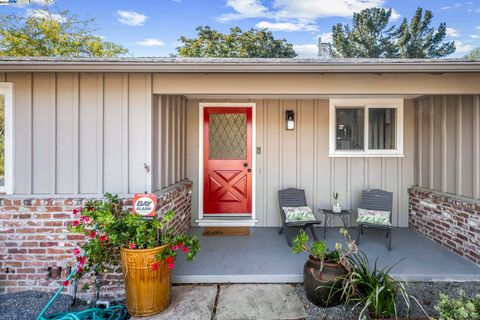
(108, 228)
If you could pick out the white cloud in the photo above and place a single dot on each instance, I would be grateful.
(131, 18)
(452, 32)
(298, 15)
(150, 42)
(44, 14)
(326, 37)
(287, 26)
(463, 47)
(306, 50)
(395, 15)
(477, 28)
(474, 36)
(311, 9)
(245, 9)
(455, 6)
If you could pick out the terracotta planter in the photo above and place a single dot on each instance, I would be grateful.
(147, 291)
(317, 284)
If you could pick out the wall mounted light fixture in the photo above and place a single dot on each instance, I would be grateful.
(290, 119)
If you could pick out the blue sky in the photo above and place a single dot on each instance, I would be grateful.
(152, 27)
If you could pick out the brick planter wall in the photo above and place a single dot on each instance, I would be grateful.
(34, 240)
(453, 222)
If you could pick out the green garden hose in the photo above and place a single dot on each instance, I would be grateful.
(110, 313)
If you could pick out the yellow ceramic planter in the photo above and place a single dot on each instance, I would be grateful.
(147, 291)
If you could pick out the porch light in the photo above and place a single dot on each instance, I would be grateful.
(290, 118)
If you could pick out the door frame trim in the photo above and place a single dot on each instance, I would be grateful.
(203, 105)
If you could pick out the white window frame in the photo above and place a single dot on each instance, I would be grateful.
(6, 89)
(366, 104)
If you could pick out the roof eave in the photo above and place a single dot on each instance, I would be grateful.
(25, 66)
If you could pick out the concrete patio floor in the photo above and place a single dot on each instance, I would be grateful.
(264, 257)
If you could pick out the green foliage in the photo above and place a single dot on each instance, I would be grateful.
(372, 36)
(473, 55)
(107, 229)
(318, 250)
(254, 43)
(461, 308)
(418, 40)
(368, 37)
(48, 33)
(372, 288)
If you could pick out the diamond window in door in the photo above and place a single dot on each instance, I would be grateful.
(228, 136)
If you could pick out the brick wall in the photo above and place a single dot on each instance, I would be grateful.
(36, 248)
(452, 221)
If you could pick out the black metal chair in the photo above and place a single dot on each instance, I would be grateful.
(292, 197)
(376, 199)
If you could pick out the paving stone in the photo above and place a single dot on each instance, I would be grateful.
(188, 303)
(259, 301)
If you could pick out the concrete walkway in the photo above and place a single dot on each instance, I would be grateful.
(233, 302)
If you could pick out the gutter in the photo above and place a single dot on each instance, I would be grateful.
(241, 67)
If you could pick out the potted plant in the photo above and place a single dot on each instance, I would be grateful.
(336, 205)
(324, 271)
(147, 249)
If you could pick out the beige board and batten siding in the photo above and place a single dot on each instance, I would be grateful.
(169, 140)
(81, 133)
(299, 158)
(447, 140)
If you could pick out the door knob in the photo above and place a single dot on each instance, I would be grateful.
(245, 164)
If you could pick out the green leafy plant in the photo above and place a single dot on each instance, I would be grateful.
(107, 228)
(335, 197)
(461, 308)
(318, 249)
(373, 289)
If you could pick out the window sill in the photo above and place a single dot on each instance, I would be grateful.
(366, 155)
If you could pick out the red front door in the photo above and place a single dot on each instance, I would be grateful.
(227, 160)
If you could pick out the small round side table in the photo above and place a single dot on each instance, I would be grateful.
(344, 216)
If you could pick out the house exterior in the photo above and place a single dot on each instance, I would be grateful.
(217, 138)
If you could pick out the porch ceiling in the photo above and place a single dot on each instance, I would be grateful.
(264, 257)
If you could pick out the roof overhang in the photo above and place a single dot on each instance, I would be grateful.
(224, 65)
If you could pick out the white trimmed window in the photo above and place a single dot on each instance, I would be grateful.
(6, 137)
(366, 128)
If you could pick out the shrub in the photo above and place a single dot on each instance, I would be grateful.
(461, 308)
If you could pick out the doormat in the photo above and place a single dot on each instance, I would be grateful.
(225, 231)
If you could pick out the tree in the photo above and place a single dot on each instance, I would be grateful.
(372, 36)
(46, 33)
(368, 37)
(473, 55)
(254, 43)
(418, 40)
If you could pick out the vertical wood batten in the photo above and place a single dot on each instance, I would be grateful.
(431, 143)
(100, 133)
(76, 134)
(476, 148)
(458, 148)
(419, 143)
(125, 132)
(148, 132)
(444, 179)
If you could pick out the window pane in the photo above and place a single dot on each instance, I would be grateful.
(228, 136)
(350, 129)
(2, 140)
(382, 128)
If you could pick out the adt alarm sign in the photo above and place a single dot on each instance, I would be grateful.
(144, 204)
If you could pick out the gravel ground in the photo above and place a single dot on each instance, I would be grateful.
(425, 292)
(27, 305)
